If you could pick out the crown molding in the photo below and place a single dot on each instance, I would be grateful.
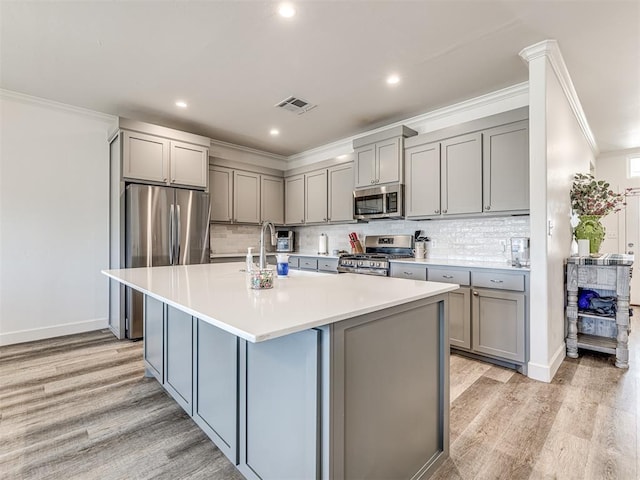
(345, 146)
(51, 104)
(550, 50)
(232, 151)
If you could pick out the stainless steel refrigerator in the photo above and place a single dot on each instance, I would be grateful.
(163, 226)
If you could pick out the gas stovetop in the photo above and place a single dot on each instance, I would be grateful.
(379, 250)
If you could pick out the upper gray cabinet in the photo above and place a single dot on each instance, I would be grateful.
(156, 159)
(506, 168)
(315, 205)
(340, 193)
(461, 175)
(379, 157)
(240, 196)
(294, 200)
(477, 173)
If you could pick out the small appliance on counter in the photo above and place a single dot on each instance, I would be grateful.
(520, 251)
(284, 241)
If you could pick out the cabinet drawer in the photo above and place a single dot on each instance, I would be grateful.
(294, 262)
(405, 270)
(308, 263)
(328, 265)
(445, 275)
(502, 281)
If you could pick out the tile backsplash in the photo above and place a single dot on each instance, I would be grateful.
(457, 239)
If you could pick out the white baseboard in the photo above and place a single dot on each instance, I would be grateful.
(21, 336)
(545, 373)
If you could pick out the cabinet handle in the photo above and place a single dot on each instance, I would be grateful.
(302, 221)
(324, 219)
(447, 276)
(408, 273)
(436, 211)
(371, 182)
(488, 207)
(444, 211)
(475, 294)
(496, 281)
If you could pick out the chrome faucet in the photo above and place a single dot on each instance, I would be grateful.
(263, 256)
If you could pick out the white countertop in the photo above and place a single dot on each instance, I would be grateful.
(461, 263)
(217, 293)
(238, 255)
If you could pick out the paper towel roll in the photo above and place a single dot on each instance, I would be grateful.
(583, 247)
(322, 244)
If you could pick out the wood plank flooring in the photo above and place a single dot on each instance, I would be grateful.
(79, 407)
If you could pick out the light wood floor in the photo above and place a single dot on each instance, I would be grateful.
(78, 407)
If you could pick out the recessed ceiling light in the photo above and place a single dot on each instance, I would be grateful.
(181, 104)
(286, 10)
(393, 79)
(274, 132)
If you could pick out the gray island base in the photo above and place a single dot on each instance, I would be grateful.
(365, 397)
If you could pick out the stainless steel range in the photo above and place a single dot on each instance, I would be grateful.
(379, 249)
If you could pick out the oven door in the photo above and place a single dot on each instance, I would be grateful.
(379, 202)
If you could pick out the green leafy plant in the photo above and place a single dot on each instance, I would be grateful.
(594, 197)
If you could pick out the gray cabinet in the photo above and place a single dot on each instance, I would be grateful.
(246, 197)
(460, 318)
(272, 199)
(216, 394)
(280, 405)
(320, 263)
(506, 168)
(498, 319)
(240, 196)
(154, 337)
(315, 197)
(294, 200)
(409, 271)
(340, 193)
(461, 175)
(221, 194)
(379, 163)
(179, 356)
(151, 158)
(422, 192)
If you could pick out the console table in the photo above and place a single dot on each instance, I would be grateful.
(609, 275)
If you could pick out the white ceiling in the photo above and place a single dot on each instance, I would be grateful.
(232, 61)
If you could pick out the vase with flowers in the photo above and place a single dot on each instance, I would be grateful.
(591, 200)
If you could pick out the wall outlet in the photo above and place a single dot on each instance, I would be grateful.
(503, 244)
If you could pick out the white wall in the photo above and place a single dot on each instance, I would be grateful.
(53, 219)
(559, 148)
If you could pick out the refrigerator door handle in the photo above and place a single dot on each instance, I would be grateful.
(171, 233)
(178, 234)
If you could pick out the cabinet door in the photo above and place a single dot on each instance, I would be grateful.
(316, 197)
(422, 193)
(498, 323)
(294, 200)
(146, 157)
(462, 174)
(179, 356)
(365, 166)
(460, 318)
(215, 409)
(506, 168)
(221, 194)
(272, 199)
(340, 193)
(246, 197)
(388, 156)
(153, 337)
(281, 408)
(189, 164)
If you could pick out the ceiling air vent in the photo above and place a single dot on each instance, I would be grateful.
(295, 105)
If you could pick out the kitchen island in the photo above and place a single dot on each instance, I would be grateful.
(323, 376)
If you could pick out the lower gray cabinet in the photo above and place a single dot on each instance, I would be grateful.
(499, 323)
(407, 270)
(279, 408)
(460, 318)
(179, 357)
(154, 337)
(216, 387)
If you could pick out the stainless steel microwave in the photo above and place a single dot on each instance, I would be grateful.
(386, 201)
